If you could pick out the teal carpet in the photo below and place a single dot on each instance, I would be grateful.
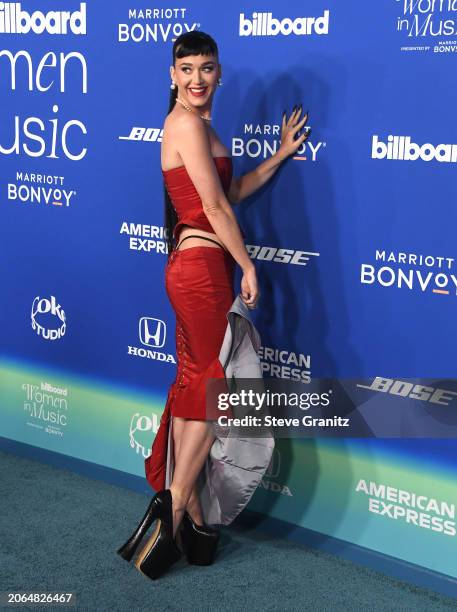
(60, 532)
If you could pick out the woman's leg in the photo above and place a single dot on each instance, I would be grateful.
(193, 507)
(196, 440)
(199, 284)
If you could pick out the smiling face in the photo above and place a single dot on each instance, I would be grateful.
(196, 77)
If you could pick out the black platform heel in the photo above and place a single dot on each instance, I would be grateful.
(199, 542)
(127, 550)
(160, 509)
(160, 551)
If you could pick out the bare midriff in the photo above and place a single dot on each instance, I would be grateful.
(187, 230)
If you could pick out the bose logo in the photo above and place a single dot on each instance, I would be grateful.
(141, 133)
(407, 389)
(285, 256)
(14, 20)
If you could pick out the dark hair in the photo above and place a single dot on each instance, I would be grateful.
(189, 43)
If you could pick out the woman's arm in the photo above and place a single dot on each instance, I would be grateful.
(247, 184)
(243, 186)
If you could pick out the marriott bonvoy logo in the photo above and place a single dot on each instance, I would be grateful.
(401, 148)
(264, 24)
(15, 20)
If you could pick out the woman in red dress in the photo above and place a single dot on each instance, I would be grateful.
(199, 191)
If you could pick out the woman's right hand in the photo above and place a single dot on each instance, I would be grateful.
(289, 129)
(249, 288)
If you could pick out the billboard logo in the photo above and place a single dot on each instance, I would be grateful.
(401, 148)
(264, 24)
(14, 20)
(46, 407)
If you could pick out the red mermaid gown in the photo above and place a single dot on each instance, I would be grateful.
(199, 284)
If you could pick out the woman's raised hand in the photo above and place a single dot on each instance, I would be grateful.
(289, 128)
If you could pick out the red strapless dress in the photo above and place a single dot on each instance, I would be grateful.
(185, 198)
(199, 284)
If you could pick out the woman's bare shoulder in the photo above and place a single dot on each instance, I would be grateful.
(183, 123)
(180, 130)
(185, 128)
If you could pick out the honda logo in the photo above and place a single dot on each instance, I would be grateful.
(152, 332)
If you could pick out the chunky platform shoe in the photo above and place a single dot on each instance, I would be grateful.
(199, 542)
(160, 551)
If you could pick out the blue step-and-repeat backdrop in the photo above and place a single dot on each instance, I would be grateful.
(353, 240)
